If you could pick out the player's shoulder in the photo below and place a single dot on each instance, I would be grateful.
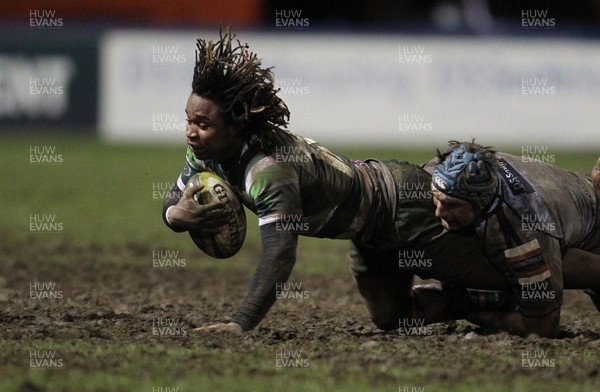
(268, 166)
(515, 178)
(509, 162)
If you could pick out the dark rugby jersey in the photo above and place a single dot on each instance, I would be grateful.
(307, 188)
(302, 189)
(542, 210)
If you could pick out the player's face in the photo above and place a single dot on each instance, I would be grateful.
(455, 213)
(208, 134)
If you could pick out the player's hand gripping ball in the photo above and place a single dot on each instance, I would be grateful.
(230, 237)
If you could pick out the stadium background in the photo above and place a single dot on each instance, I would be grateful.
(91, 121)
(398, 72)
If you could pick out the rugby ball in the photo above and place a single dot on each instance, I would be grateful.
(230, 237)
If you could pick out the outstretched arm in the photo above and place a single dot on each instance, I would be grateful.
(434, 304)
(536, 277)
(275, 266)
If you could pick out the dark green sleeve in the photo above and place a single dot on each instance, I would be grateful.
(275, 266)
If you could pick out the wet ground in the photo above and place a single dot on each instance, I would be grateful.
(48, 301)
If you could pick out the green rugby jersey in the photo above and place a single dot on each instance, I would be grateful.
(300, 189)
(305, 188)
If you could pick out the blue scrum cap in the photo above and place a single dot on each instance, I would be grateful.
(468, 172)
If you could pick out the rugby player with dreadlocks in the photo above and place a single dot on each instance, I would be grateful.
(236, 129)
(526, 214)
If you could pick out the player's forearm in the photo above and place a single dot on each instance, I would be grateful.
(275, 266)
(516, 323)
(172, 199)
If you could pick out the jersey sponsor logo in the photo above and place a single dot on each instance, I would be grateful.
(440, 182)
(515, 181)
(527, 263)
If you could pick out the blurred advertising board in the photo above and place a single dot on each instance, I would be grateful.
(373, 89)
(48, 78)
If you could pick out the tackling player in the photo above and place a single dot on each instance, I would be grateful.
(526, 214)
(236, 129)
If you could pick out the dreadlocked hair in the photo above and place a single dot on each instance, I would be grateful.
(470, 147)
(227, 73)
